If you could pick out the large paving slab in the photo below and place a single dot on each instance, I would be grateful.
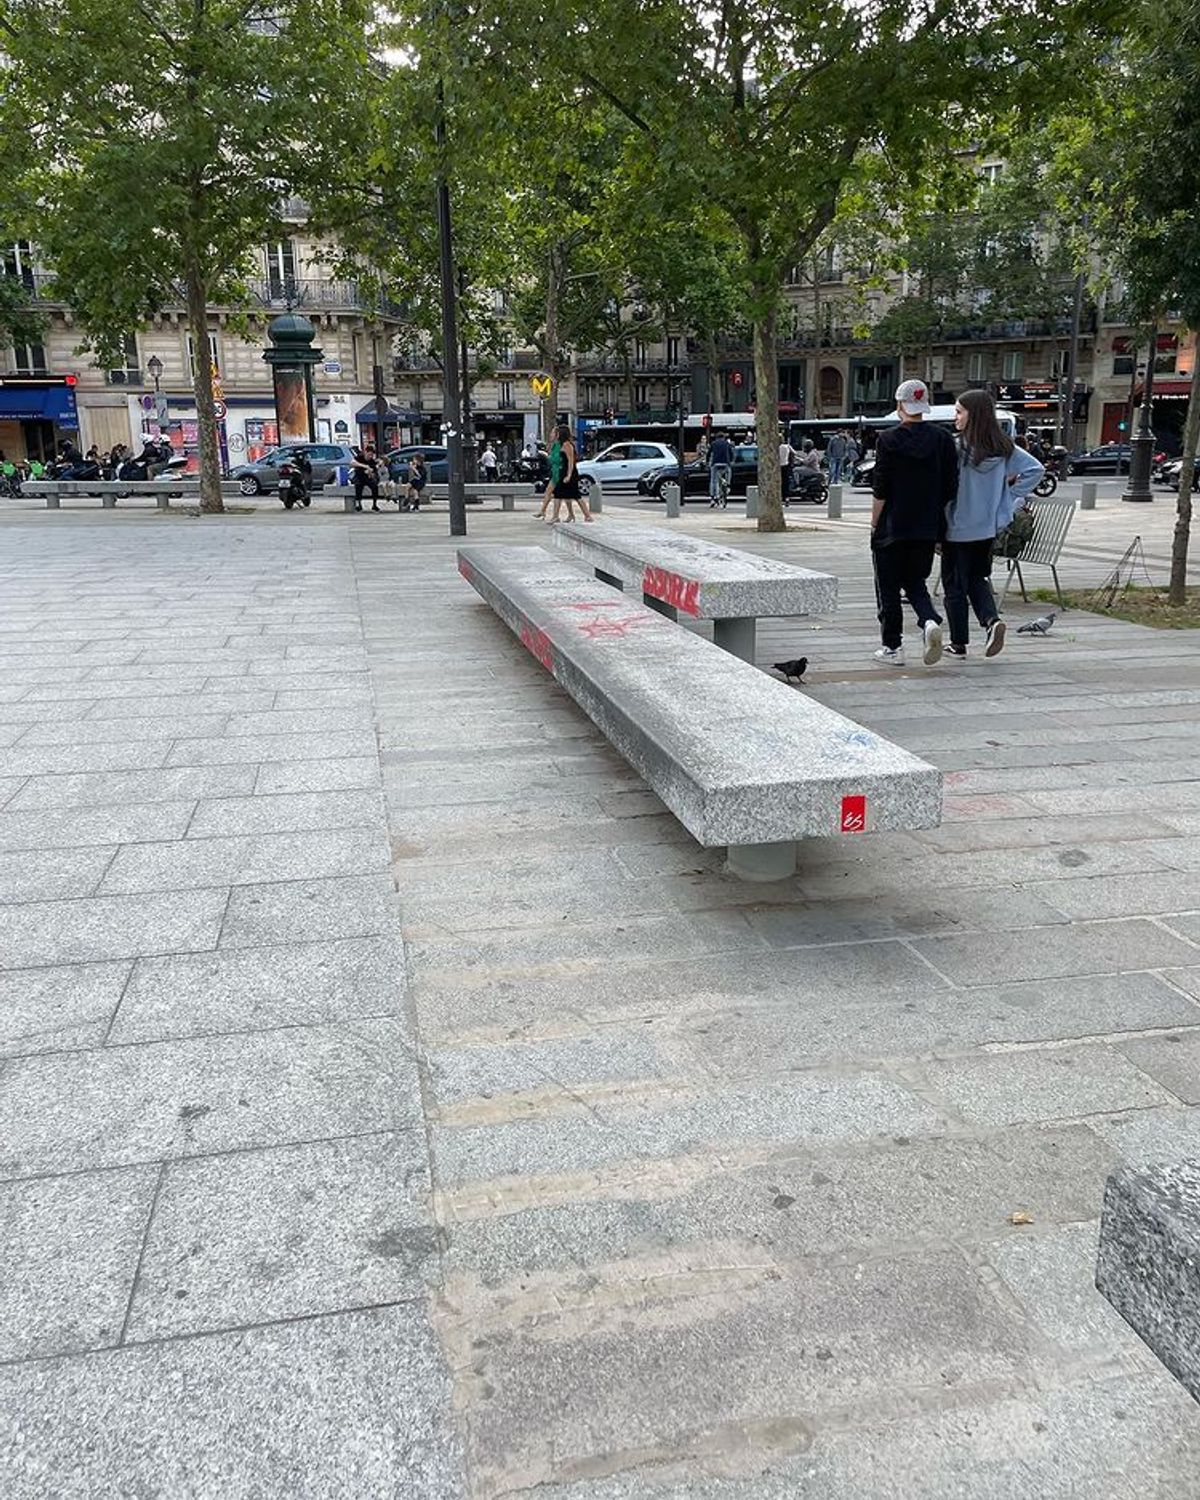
(395, 1100)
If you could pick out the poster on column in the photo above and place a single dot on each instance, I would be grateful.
(291, 402)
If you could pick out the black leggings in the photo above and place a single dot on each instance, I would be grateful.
(967, 580)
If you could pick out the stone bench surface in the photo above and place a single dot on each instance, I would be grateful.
(1149, 1261)
(703, 579)
(737, 756)
(120, 486)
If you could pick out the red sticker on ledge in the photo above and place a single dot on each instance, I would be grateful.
(683, 593)
(854, 814)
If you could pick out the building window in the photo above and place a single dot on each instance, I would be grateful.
(639, 353)
(641, 394)
(191, 356)
(1014, 365)
(281, 270)
(129, 371)
(1124, 356)
(672, 352)
(18, 263)
(29, 359)
(991, 172)
(506, 395)
(1165, 350)
(975, 365)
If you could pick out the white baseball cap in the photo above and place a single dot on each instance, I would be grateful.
(913, 398)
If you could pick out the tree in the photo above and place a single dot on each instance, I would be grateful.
(769, 116)
(163, 139)
(1123, 170)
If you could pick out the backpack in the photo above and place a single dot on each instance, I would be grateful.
(1017, 535)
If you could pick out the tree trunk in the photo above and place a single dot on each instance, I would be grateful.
(550, 406)
(202, 387)
(1183, 513)
(766, 419)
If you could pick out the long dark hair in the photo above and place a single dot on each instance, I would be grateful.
(983, 436)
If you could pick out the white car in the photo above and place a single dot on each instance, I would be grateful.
(621, 466)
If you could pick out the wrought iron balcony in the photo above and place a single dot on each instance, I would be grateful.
(322, 295)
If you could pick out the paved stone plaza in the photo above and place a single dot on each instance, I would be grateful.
(396, 1102)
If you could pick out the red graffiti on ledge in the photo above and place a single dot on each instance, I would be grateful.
(537, 643)
(683, 593)
(854, 814)
(467, 571)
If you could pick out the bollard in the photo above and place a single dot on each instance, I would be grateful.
(752, 502)
(508, 501)
(52, 502)
(163, 502)
(671, 496)
(1088, 493)
(348, 504)
(835, 502)
(595, 497)
(108, 502)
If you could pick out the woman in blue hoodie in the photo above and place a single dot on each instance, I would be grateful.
(994, 476)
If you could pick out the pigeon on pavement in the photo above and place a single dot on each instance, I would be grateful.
(794, 669)
(1039, 627)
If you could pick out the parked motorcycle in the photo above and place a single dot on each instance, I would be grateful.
(295, 483)
(1047, 484)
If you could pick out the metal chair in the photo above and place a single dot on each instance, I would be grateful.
(1051, 522)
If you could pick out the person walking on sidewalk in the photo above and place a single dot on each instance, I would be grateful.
(554, 459)
(835, 456)
(568, 489)
(994, 476)
(916, 478)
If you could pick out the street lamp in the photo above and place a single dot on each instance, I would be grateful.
(1143, 443)
(154, 368)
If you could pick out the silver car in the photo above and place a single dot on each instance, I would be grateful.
(263, 474)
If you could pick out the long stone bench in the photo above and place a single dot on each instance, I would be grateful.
(1149, 1261)
(678, 574)
(110, 491)
(742, 760)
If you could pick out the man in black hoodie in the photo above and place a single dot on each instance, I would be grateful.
(916, 477)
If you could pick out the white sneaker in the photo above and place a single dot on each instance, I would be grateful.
(995, 638)
(933, 642)
(890, 656)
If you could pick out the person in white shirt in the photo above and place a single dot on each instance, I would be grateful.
(487, 461)
(787, 457)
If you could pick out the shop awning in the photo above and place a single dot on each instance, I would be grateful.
(366, 416)
(39, 403)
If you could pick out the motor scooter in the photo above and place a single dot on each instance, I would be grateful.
(295, 485)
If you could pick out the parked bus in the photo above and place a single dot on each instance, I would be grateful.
(732, 423)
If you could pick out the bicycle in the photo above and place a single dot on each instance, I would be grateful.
(721, 499)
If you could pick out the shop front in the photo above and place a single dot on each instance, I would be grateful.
(36, 414)
(250, 426)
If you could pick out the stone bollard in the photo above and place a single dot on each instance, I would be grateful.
(52, 502)
(163, 502)
(670, 494)
(508, 501)
(835, 502)
(1088, 495)
(752, 502)
(108, 502)
(595, 497)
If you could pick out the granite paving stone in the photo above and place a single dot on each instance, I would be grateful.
(69, 1247)
(75, 827)
(282, 912)
(1050, 1084)
(286, 813)
(58, 1009)
(101, 788)
(101, 927)
(250, 858)
(1187, 926)
(253, 749)
(51, 874)
(298, 1409)
(99, 731)
(1054, 952)
(72, 1111)
(244, 989)
(351, 774)
(265, 1235)
(1172, 1060)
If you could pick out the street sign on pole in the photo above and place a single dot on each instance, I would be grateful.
(541, 385)
(219, 411)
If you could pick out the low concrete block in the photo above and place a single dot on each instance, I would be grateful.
(752, 502)
(835, 502)
(108, 502)
(671, 494)
(1087, 498)
(163, 502)
(1149, 1261)
(703, 579)
(508, 501)
(596, 497)
(737, 756)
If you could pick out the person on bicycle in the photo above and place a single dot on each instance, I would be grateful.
(720, 470)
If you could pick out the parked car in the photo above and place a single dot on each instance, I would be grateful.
(262, 474)
(1108, 458)
(437, 465)
(745, 472)
(1170, 471)
(623, 464)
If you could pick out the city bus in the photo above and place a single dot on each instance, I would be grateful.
(864, 429)
(736, 425)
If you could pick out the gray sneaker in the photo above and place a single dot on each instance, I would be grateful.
(933, 642)
(995, 638)
(890, 656)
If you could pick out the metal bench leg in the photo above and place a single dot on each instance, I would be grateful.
(609, 579)
(659, 606)
(736, 637)
(1062, 603)
(508, 502)
(762, 861)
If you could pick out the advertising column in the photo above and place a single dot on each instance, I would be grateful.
(291, 357)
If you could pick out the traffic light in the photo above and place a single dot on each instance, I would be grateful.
(1080, 403)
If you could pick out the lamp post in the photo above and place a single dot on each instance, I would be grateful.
(154, 368)
(1143, 443)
